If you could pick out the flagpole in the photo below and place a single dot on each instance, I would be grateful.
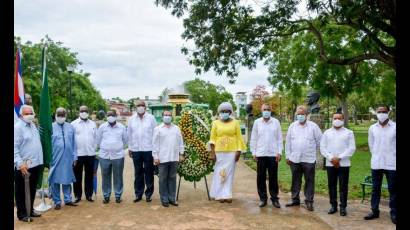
(43, 206)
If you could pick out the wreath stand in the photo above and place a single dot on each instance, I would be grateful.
(206, 185)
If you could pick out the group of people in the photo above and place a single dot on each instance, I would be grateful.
(74, 149)
(337, 144)
(75, 146)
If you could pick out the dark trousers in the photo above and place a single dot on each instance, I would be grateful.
(377, 178)
(270, 164)
(86, 163)
(167, 181)
(19, 189)
(143, 173)
(340, 174)
(307, 170)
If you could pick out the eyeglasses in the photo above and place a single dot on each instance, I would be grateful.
(382, 111)
(225, 111)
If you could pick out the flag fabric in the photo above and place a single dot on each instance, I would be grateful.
(45, 121)
(18, 86)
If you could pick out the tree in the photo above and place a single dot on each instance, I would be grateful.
(58, 59)
(292, 62)
(205, 92)
(259, 96)
(228, 34)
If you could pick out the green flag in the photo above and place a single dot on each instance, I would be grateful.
(45, 119)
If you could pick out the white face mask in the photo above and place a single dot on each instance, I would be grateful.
(84, 115)
(60, 120)
(167, 119)
(301, 118)
(382, 117)
(338, 123)
(140, 109)
(28, 118)
(111, 119)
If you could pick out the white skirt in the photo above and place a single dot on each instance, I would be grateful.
(223, 176)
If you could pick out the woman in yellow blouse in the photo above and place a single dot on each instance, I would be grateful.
(226, 146)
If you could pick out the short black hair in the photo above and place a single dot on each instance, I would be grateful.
(383, 106)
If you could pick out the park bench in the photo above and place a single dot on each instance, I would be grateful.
(368, 182)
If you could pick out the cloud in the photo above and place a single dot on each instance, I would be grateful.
(130, 47)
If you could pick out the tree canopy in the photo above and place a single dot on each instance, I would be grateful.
(227, 34)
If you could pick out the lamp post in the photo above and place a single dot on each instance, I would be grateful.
(280, 108)
(328, 105)
(70, 70)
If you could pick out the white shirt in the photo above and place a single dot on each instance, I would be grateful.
(85, 133)
(140, 132)
(167, 143)
(266, 138)
(338, 143)
(382, 144)
(112, 140)
(302, 142)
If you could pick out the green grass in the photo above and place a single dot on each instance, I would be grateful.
(360, 167)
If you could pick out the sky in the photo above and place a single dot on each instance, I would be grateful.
(130, 47)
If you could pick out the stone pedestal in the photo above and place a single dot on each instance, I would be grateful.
(320, 121)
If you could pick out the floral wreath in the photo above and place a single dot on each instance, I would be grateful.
(195, 128)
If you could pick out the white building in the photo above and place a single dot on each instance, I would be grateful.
(240, 101)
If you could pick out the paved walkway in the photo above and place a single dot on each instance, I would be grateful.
(196, 212)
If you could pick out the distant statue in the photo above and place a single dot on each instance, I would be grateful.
(312, 101)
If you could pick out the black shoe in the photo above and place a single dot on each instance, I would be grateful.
(262, 203)
(393, 219)
(90, 199)
(71, 204)
(165, 204)
(118, 200)
(26, 219)
(292, 204)
(276, 204)
(343, 212)
(309, 206)
(106, 200)
(57, 207)
(333, 209)
(34, 214)
(371, 216)
(138, 199)
(148, 199)
(173, 203)
(77, 200)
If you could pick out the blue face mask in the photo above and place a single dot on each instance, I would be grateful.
(224, 116)
(266, 114)
(167, 119)
(301, 118)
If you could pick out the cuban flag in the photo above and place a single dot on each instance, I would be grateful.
(18, 86)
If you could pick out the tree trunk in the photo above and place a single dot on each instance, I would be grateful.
(295, 106)
(345, 111)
